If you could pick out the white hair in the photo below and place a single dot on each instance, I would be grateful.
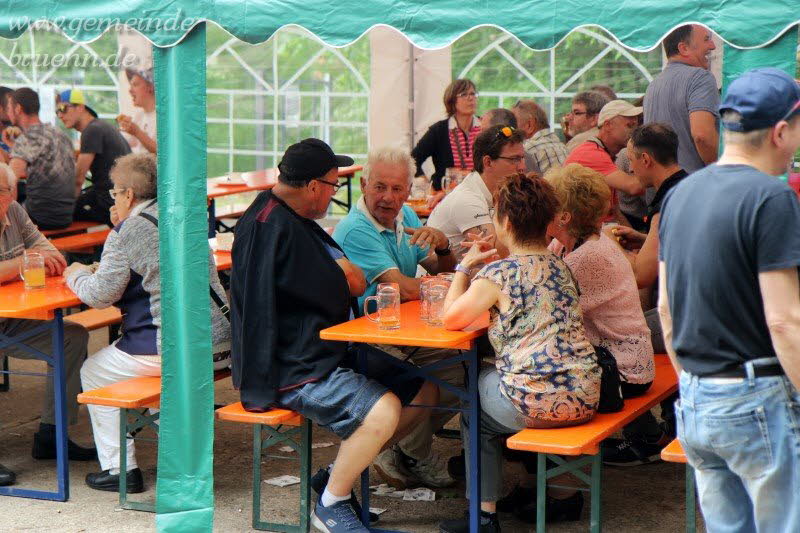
(390, 155)
(12, 178)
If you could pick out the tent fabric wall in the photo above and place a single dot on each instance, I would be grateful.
(185, 487)
(540, 24)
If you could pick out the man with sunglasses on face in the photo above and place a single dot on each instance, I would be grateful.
(42, 156)
(101, 145)
(467, 210)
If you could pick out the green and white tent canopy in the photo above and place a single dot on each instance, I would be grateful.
(540, 24)
(756, 34)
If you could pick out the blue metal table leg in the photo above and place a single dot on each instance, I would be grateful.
(60, 392)
(474, 443)
(56, 361)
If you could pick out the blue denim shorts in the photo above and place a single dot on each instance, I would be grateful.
(341, 401)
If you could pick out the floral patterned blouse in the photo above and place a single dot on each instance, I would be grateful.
(548, 369)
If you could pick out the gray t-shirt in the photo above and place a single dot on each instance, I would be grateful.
(50, 187)
(679, 90)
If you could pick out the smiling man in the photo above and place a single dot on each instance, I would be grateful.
(686, 97)
(386, 240)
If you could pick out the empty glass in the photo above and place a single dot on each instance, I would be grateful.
(387, 298)
(32, 270)
(435, 295)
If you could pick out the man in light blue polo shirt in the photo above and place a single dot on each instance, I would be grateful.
(384, 237)
(386, 240)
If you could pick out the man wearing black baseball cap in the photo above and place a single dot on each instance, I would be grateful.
(730, 308)
(290, 280)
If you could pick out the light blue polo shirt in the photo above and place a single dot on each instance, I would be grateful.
(376, 249)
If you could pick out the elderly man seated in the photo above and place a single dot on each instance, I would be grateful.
(543, 148)
(387, 241)
(289, 281)
(17, 235)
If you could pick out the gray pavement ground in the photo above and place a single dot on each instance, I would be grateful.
(648, 498)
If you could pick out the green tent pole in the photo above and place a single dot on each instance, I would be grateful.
(185, 487)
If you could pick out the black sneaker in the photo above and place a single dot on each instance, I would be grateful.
(632, 452)
(44, 447)
(489, 524)
(517, 498)
(556, 510)
(457, 466)
(320, 480)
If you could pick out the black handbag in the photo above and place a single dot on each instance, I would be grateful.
(611, 400)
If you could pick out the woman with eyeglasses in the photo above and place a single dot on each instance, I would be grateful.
(449, 142)
(546, 373)
(129, 277)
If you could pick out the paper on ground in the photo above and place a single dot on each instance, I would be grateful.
(283, 481)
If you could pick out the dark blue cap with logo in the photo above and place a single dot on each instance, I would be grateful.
(763, 97)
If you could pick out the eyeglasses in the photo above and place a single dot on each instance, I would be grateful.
(573, 112)
(62, 108)
(517, 159)
(792, 111)
(115, 192)
(505, 131)
(470, 94)
(6, 190)
(336, 185)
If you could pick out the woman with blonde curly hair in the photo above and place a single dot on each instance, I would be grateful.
(546, 373)
(612, 314)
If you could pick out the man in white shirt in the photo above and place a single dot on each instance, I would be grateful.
(498, 152)
(140, 130)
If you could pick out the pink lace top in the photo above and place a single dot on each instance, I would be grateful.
(609, 299)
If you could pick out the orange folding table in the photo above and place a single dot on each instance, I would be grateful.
(44, 304)
(415, 332)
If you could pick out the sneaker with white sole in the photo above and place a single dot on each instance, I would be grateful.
(431, 471)
(389, 466)
(338, 518)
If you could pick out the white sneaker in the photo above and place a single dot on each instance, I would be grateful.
(431, 471)
(389, 466)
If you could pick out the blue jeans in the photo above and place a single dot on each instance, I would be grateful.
(742, 436)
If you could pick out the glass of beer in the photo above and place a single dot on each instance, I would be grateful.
(387, 299)
(32, 270)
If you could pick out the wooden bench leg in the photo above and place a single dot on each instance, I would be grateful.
(138, 421)
(299, 439)
(6, 383)
(691, 501)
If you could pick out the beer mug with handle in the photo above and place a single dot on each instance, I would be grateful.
(387, 298)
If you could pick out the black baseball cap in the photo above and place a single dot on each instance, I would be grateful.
(763, 97)
(310, 159)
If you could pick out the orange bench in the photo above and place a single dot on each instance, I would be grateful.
(75, 227)
(81, 242)
(673, 453)
(133, 397)
(584, 440)
(273, 427)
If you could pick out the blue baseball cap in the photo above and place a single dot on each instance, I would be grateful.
(763, 97)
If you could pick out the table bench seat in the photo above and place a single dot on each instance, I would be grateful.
(584, 441)
(81, 242)
(93, 319)
(272, 428)
(674, 453)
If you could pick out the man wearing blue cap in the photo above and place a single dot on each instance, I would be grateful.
(730, 308)
(101, 145)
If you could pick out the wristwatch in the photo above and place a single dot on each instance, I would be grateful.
(461, 268)
(442, 251)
